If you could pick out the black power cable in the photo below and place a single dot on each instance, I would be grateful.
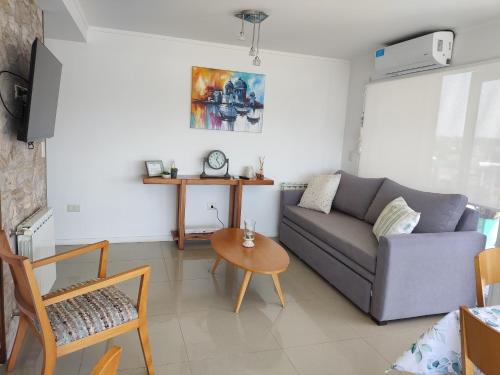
(1, 97)
(217, 213)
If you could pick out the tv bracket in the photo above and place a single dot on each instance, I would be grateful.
(21, 94)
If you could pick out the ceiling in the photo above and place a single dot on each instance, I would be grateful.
(332, 28)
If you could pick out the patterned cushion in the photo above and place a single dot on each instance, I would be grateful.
(320, 192)
(396, 218)
(89, 314)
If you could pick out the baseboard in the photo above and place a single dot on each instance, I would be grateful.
(86, 240)
(119, 239)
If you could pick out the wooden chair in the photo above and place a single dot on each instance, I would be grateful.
(487, 264)
(109, 362)
(480, 345)
(103, 311)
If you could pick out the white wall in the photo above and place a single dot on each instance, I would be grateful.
(125, 98)
(472, 44)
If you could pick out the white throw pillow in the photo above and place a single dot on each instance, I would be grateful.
(320, 192)
(396, 218)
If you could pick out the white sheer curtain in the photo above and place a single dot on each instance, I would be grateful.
(437, 132)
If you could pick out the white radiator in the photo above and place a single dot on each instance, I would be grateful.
(35, 240)
(293, 186)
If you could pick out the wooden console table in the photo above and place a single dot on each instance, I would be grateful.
(235, 199)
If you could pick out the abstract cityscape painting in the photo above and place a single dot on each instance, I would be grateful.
(227, 100)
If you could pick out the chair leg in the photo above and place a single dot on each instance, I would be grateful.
(146, 348)
(18, 341)
(49, 361)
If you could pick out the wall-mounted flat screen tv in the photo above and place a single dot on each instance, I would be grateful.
(41, 104)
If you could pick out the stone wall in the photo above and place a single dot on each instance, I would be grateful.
(23, 181)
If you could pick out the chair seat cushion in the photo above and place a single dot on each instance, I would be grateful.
(350, 236)
(88, 314)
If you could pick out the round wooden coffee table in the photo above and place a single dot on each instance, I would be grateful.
(267, 257)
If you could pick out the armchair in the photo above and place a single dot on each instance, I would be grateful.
(79, 316)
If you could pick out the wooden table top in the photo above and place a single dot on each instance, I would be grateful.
(197, 180)
(266, 257)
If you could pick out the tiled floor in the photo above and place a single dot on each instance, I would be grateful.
(194, 330)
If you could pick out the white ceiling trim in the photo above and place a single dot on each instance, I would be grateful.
(76, 12)
(211, 44)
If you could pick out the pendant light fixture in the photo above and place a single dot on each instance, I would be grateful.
(255, 17)
(242, 31)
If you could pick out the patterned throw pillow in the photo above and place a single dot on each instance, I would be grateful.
(320, 192)
(396, 218)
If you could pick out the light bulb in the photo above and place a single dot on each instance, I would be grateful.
(256, 61)
(242, 31)
(252, 51)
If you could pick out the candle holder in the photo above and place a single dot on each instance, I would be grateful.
(249, 234)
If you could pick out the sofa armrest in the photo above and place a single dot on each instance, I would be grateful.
(424, 273)
(289, 198)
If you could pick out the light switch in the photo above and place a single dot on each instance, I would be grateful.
(73, 208)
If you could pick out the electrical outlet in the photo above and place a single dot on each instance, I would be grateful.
(73, 208)
(211, 206)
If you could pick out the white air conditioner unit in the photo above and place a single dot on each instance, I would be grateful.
(427, 52)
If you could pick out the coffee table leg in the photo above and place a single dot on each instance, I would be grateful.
(216, 263)
(243, 289)
(277, 286)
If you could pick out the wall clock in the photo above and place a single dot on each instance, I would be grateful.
(215, 160)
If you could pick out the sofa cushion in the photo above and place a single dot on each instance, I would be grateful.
(439, 212)
(320, 192)
(355, 194)
(396, 218)
(350, 236)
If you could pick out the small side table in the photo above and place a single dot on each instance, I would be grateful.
(267, 257)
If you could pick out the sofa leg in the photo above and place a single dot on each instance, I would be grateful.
(379, 323)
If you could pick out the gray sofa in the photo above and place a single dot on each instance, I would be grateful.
(429, 271)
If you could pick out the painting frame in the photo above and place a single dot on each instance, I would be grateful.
(227, 100)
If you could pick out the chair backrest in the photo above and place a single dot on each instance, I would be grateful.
(487, 264)
(109, 362)
(26, 291)
(480, 344)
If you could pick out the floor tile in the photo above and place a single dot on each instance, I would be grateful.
(166, 342)
(135, 250)
(188, 268)
(391, 346)
(202, 294)
(311, 322)
(349, 357)
(274, 362)
(158, 267)
(172, 369)
(213, 333)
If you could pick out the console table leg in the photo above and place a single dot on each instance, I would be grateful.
(181, 215)
(238, 198)
(230, 223)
